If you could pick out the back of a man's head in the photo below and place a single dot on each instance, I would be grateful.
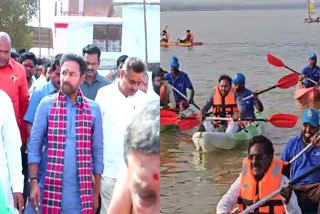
(143, 133)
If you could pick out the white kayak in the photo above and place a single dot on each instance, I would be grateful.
(211, 141)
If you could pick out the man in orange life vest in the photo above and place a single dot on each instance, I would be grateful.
(224, 104)
(260, 176)
(164, 36)
(188, 38)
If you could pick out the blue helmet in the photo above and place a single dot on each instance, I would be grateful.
(313, 56)
(239, 78)
(174, 62)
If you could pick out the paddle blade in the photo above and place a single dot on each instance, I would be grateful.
(283, 120)
(274, 61)
(186, 124)
(168, 117)
(288, 81)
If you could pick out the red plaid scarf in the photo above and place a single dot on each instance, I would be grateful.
(56, 145)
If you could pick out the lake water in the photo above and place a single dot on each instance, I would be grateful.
(234, 41)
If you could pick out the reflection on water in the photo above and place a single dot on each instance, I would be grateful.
(238, 41)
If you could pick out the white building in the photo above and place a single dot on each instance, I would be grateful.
(81, 22)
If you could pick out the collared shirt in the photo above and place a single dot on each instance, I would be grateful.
(90, 90)
(42, 80)
(35, 99)
(117, 112)
(11, 178)
(246, 107)
(13, 81)
(33, 86)
(70, 189)
(313, 74)
(304, 163)
(180, 82)
(229, 201)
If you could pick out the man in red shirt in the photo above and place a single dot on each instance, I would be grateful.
(14, 82)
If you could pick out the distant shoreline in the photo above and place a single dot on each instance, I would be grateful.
(206, 7)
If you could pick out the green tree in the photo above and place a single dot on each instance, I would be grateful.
(14, 16)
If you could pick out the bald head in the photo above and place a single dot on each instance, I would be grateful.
(5, 47)
(4, 36)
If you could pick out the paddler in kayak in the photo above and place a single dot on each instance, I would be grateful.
(180, 81)
(188, 37)
(246, 108)
(224, 104)
(262, 173)
(164, 36)
(311, 71)
(308, 189)
(167, 100)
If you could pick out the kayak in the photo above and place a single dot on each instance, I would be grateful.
(173, 44)
(191, 112)
(308, 97)
(211, 141)
(310, 94)
(167, 128)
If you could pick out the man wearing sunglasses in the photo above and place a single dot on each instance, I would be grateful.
(261, 175)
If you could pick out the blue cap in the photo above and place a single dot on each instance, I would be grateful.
(174, 62)
(239, 78)
(313, 56)
(310, 116)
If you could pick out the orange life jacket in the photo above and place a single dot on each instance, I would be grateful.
(163, 93)
(269, 183)
(224, 106)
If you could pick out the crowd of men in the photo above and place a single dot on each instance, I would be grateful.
(79, 134)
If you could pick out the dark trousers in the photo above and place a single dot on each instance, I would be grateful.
(24, 159)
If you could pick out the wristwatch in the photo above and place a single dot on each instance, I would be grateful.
(35, 178)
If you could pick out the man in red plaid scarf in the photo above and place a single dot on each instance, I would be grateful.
(71, 125)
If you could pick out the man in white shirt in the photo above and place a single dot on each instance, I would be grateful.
(119, 102)
(260, 171)
(11, 178)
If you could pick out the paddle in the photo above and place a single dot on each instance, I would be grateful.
(278, 120)
(284, 83)
(278, 63)
(182, 95)
(275, 193)
(163, 30)
(168, 117)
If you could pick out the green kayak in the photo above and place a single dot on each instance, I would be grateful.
(210, 141)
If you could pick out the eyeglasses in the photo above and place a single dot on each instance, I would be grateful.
(258, 157)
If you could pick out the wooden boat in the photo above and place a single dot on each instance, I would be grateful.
(180, 44)
(211, 141)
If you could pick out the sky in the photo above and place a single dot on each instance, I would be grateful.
(47, 12)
